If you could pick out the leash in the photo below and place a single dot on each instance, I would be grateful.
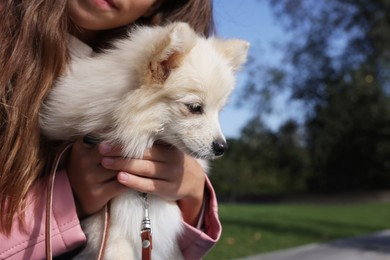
(49, 209)
(49, 200)
(146, 229)
(106, 227)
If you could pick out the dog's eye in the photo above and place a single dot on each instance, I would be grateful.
(195, 108)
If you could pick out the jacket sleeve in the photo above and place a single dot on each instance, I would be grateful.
(195, 243)
(28, 242)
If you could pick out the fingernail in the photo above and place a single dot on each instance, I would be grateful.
(90, 140)
(106, 161)
(105, 148)
(123, 177)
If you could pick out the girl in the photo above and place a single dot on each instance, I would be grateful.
(38, 37)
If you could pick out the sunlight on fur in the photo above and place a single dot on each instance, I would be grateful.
(160, 83)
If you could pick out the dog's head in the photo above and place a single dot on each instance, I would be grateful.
(188, 79)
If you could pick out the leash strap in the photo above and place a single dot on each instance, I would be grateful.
(49, 199)
(106, 227)
(146, 237)
(146, 230)
(49, 209)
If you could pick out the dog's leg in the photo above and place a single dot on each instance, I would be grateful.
(92, 227)
(124, 232)
(167, 225)
(118, 246)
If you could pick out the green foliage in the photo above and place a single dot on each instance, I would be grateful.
(254, 229)
(349, 141)
(348, 128)
(261, 162)
(337, 63)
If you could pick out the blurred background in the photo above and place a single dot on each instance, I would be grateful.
(308, 125)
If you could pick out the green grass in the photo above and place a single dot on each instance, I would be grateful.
(254, 229)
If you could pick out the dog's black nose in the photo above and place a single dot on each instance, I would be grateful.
(219, 147)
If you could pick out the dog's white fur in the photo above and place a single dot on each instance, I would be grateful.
(141, 91)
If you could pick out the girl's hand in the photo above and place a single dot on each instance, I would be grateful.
(94, 172)
(164, 171)
(93, 186)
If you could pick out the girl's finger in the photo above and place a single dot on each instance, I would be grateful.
(144, 168)
(163, 153)
(153, 186)
(81, 148)
(100, 176)
(108, 149)
(159, 152)
(111, 189)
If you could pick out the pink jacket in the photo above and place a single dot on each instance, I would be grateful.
(68, 235)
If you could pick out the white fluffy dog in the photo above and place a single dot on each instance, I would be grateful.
(161, 83)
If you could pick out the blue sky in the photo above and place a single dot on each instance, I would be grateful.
(251, 20)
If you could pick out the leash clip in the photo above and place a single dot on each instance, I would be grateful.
(145, 224)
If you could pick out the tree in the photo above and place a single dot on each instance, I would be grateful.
(337, 62)
(261, 162)
(291, 159)
(238, 174)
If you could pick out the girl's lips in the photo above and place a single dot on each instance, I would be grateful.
(105, 4)
(111, 3)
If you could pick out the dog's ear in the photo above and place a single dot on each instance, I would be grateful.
(178, 40)
(236, 51)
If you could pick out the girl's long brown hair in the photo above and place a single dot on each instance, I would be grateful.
(33, 53)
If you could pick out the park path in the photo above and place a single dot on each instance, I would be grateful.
(374, 246)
